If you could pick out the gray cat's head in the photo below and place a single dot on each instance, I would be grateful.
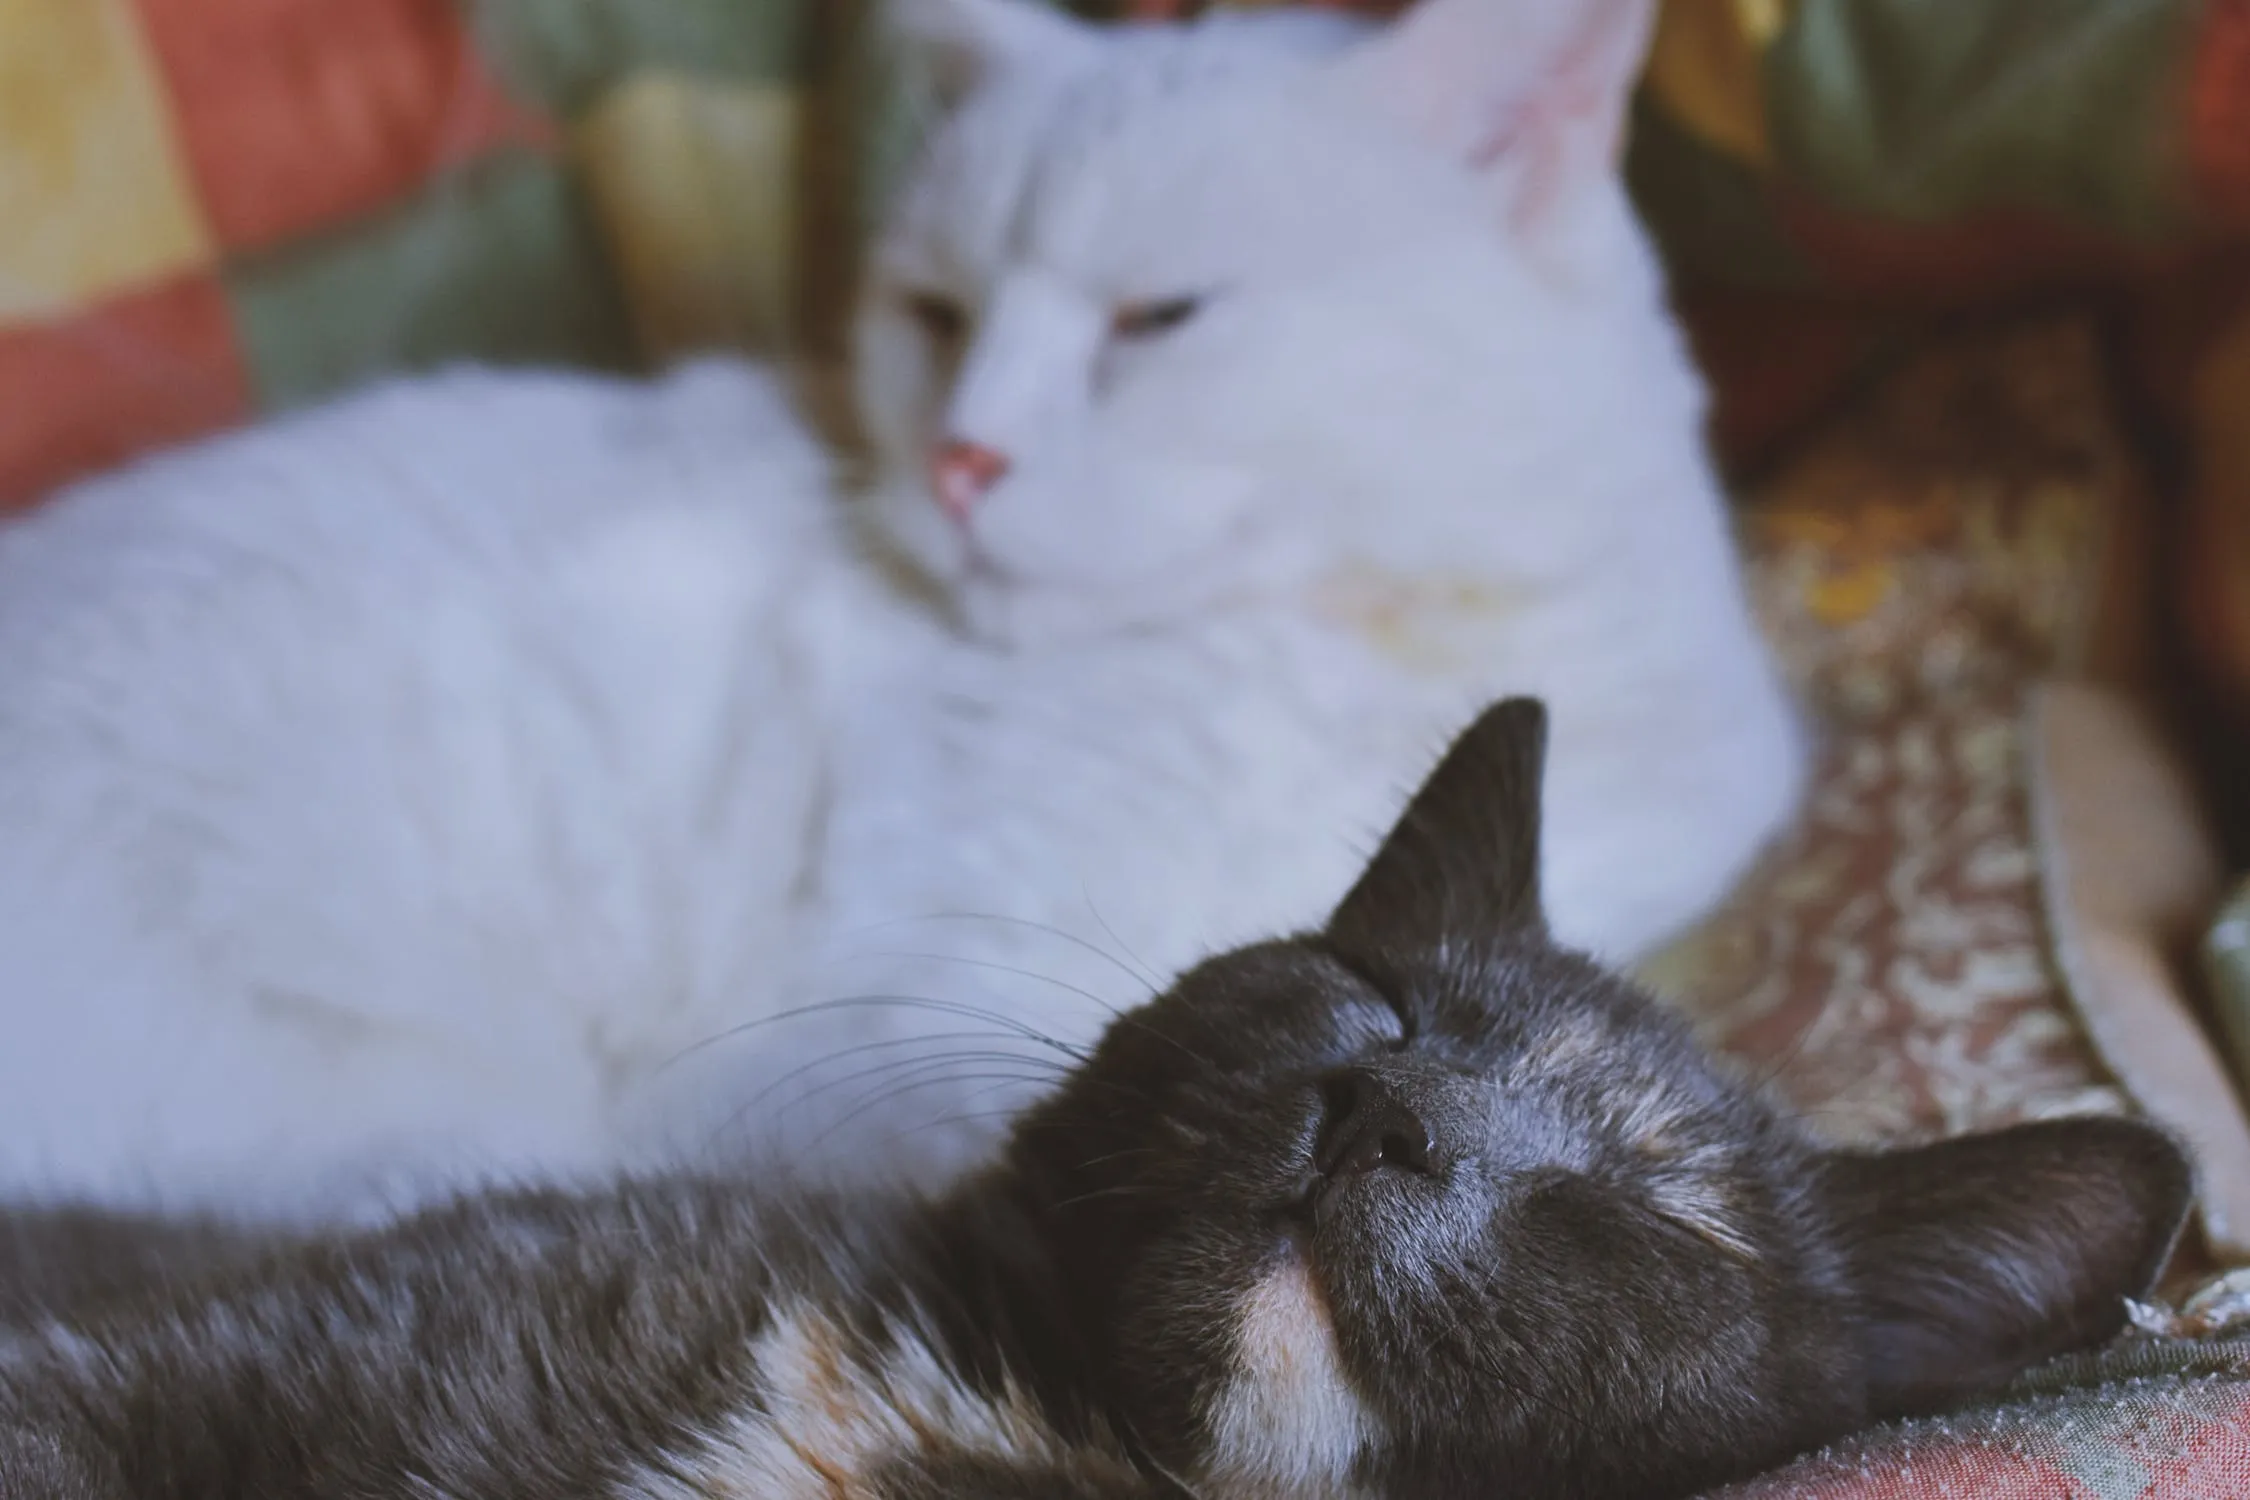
(1166, 313)
(1422, 1203)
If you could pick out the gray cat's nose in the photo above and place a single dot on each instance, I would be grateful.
(1365, 1125)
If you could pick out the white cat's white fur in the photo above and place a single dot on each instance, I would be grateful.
(405, 789)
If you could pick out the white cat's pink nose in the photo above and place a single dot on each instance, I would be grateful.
(963, 473)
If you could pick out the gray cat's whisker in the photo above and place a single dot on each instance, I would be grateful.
(889, 1073)
(1148, 984)
(818, 1086)
(1148, 974)
(1011, 1024)
(1116, 1015)
(893, 1095)
(1119, 1155)
(969, 961)
(884, 1044)
(1120, 1190)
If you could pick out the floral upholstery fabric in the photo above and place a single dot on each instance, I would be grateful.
(1920, 564)
(2147, 1421)
(1919, 567)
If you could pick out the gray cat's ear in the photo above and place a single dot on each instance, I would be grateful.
(1977, 1258)
(965, 43)
(1463, 859)
(1534, 93)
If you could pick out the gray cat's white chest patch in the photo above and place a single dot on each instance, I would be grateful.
(1287, 1422)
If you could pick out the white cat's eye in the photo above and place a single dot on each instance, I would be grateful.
(1140, 320)
(940, 317)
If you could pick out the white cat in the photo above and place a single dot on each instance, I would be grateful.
(408, 788)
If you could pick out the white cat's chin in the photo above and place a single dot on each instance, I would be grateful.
(1002, 600)
(995, 612)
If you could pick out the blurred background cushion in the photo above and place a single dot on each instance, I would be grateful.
(214, 208)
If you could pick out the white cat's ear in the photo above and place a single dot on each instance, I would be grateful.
(1537, 93)
(965, 43)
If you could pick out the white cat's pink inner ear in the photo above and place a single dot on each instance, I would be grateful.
(1489, 80)
(967, 43)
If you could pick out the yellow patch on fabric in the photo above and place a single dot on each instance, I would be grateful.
(1705, 70)
(694, 182)
(1760, 20)
(1850, 595)
(94, 194)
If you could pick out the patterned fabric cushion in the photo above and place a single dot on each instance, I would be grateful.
(1919, 567)
(1921, 564)
(2149, 1420)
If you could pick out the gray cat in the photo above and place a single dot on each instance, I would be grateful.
(1421, 1204)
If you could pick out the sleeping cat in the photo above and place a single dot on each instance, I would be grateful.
(1420, 1204)
(530, 774)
